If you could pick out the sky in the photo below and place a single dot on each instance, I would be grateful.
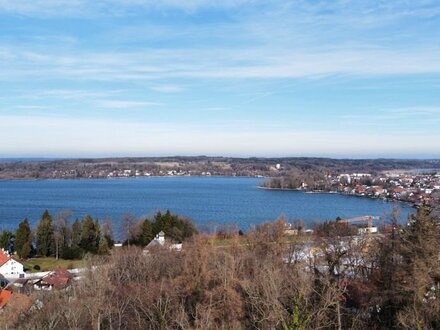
(341, 78)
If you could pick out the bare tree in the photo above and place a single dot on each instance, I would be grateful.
(61, 230)
(130, 228)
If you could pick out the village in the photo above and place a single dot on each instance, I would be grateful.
(417, 189)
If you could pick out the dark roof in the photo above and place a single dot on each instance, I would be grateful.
(59, 278)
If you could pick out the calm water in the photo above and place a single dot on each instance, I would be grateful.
(206, 200)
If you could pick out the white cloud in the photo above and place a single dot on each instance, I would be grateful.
(87, 8)
(168, 88)
(430, 111)
(31, 107)
(153, 64)
(125, 104)
(415, 121)
(70, 94)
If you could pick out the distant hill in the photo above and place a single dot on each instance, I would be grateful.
(17, 168)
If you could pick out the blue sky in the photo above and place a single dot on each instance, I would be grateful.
(339, 78)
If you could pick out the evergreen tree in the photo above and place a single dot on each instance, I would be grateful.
(174, 227)
(23, 239)
(5, 239)
(45, 236)
(420, 284)
(90, 234)
(103, 247)
(146, 232)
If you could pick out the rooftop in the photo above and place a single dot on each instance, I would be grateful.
(5, 295)
(3, 258)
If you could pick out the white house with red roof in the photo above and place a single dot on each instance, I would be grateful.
(10, 268)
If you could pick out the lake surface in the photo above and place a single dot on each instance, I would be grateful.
(207, 200)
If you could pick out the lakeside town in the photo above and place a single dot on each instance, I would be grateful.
(417, 187)
(405, 186)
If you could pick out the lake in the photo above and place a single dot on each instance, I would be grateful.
(206, 200)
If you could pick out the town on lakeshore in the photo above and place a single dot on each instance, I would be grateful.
(415, 187)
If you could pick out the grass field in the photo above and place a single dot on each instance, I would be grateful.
(50, 263)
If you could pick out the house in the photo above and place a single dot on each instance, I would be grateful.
(21, 285)
(58, 279)
(10, 268)
(360, 190)
(160, 242)
(377, 190)
(398, 190)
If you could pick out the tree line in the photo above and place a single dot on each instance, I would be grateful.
(56, 236)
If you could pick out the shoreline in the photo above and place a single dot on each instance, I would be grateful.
(135, 177)
(388, 200)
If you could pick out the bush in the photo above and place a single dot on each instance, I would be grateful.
(73, 252)
(37, 267)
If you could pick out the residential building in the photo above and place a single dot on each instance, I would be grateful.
(9, 267)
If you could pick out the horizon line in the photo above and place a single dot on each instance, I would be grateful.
(60, 158)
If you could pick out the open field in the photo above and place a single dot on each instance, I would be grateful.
(50, 263)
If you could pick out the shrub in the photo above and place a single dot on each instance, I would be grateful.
(73, 252)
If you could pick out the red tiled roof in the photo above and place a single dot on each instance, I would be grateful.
(5, 295)
(59, 278)
(3, 258)
(57, 282)
(61, 272)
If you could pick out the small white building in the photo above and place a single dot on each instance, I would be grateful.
(366, 230)
(159, 242)
(10, 268)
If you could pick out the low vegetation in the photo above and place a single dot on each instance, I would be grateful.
(260, 280)
(43, 264)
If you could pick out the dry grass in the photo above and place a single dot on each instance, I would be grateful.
(50, 263)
